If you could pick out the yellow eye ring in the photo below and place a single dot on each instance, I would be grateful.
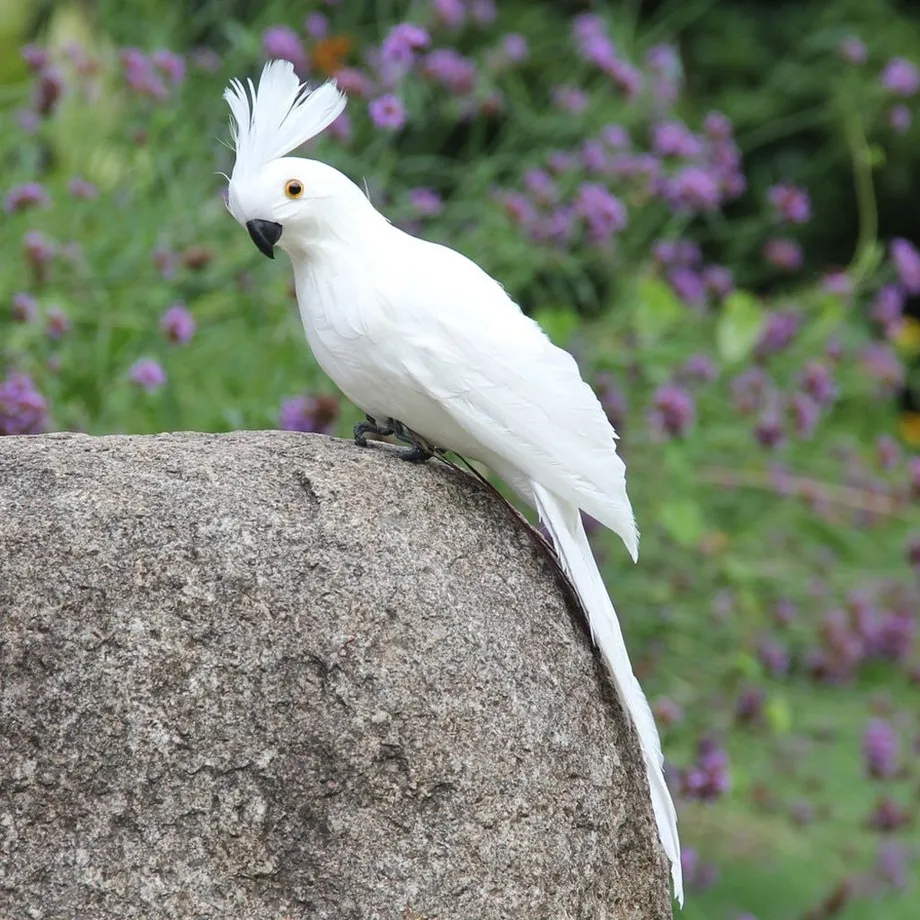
(293, 188)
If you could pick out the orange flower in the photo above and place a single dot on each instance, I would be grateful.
(910, 428)
(329, 54)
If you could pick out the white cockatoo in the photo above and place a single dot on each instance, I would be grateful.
(431, 348)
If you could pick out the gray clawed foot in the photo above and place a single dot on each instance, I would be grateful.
(420, 451)
(363, 429)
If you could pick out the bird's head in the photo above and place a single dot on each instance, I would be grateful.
(282, 200)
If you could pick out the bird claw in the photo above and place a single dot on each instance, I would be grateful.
(420, 451)
(363, 429)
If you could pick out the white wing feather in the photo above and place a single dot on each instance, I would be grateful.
(522, 400)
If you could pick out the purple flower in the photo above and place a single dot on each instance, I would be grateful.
(707, 779)
(880, 749)
(604, 214)
(451, 69)
(769, 429)
(616, 136)
(688, 285)
(790, 203)
(309, 413)
(48, 91)
(29, 195)
(913, 552)
(282, 43)
(880, 362)
(147, 374)
(901, 77)
(783, 253)
(887, 815)
(749, 389)
(514, 48)
(673, 410)
(818, 382)
(388, 112)
(402, 41)
(888, 305)
(700, 367)
(24, 308)
(569, 99)
(900, 118)
(316, 25)
(626, 77)
(23, 410)
(595, 156)
(675, 139)
(450, 13)
(426, 202)
(907, 264)
(178, 324)
(888, 452)
(853, 50)
(749, 706)
(684, 253)
(913, 469)
(541, 186)
(57, 323)
(805, 414)
(518, 208)
(483, 12)
(778, 332)
(36, 58)
(80, 188)
(140, 74)
(718, 280)
(695, 188)
(891, 864)
(354, 82)
(170, 64)
(717, 126)
(773, 656)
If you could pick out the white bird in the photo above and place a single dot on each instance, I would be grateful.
(430, 346)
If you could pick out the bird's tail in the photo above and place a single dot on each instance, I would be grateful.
(563, 520)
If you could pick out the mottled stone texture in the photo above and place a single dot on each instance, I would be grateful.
(272, 675)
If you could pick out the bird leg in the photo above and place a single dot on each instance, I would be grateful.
(421, 451)
(363, 429)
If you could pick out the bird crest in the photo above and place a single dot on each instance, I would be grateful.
(281, 114)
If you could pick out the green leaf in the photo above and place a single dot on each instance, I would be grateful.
(740, 324)
(683, 520)
(559, 323)
(778, 714)
(657, 308)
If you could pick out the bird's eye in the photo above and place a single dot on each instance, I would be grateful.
(293, 188)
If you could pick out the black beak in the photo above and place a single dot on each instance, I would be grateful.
(264, 233)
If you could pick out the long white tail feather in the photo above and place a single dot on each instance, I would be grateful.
(279, 116)
(563, 520)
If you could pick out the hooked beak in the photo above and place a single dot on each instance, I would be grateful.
(264, 233)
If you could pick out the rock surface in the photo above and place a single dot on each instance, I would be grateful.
(272, 675)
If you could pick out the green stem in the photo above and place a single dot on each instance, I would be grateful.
(865, 254)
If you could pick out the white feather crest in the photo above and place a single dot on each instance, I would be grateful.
(279, 116)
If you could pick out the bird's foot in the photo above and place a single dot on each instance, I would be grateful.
(370, 426)
(421, 450)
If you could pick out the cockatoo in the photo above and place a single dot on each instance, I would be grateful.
(430, 347)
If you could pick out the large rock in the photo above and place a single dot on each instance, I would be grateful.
(270, 675)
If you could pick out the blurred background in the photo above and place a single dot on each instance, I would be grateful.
(711, 203)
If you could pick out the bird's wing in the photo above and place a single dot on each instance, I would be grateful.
(493, 370)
